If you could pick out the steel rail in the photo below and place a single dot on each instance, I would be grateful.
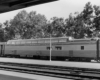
(55, 71)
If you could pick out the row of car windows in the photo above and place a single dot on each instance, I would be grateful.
(31, 42)
(60, 48)
(36, 42)
(57, 48)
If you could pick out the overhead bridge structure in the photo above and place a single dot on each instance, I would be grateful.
(10, 5)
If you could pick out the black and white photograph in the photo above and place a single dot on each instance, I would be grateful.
(49, 39)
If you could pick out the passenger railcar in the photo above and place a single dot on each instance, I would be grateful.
(62, 49)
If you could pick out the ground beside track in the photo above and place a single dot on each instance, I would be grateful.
(9, 75)
(86, 65)
(6, 77)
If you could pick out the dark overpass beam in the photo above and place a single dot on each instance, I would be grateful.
(29, 2)
(21, 2)
(10, 5)
(39, 2)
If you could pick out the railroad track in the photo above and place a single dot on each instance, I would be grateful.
(54, 71)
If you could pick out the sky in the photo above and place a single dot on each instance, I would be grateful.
(60, 8)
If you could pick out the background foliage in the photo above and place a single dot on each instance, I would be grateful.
(85, 24)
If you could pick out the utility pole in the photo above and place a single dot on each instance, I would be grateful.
(50, 42)
(50, 47)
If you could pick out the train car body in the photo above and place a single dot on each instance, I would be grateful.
(62, 48)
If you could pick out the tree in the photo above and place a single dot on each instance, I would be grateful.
(19, 23)
(80, 25)
(96, 21)
(36, 23)
(1, 33)
(8, 31)
(57, 26)
(28, 25)
(88, 19)
(69, 25)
